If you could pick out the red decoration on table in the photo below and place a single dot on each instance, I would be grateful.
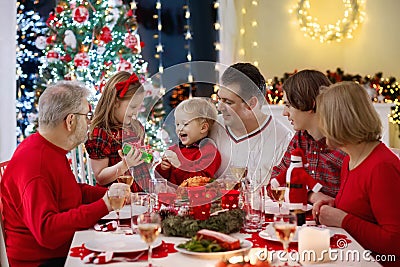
(161, 251)
(110, 226)
(200, 201)
(167, 199)
(230, 199)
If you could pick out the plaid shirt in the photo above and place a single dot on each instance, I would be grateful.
(103, 146)
(324, 164)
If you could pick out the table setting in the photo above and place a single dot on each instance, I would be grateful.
(207, 228)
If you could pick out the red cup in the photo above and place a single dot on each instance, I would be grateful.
(201, 212)
(230, 199)
(167, 199)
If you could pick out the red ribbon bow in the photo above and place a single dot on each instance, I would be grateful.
(122, 87)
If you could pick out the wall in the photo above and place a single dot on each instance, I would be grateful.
(283, 48)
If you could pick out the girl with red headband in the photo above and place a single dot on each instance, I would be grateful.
(120, 101)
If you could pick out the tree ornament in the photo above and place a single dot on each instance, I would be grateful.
(40, 42)
(52, 56)
(70, 39)
(66, 58)
(50, 19)
(59, 9)
(132, 41)
(124, 65)
(105, 35)
(80, 14)
(100, 50)
(81, 60)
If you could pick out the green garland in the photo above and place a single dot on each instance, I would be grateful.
(225, 222)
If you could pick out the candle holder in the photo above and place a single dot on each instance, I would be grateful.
(200, 202)
(230, 199)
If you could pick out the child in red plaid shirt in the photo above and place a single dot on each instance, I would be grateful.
(115, 113)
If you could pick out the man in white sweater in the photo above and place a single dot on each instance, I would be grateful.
(244, 134)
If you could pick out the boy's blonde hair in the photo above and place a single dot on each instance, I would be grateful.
(200, 108)
(346, 114)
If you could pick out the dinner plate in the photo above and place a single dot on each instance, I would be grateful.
(269, 233)
(245, 245)
(272, 207)
(119, 243)
(125, 212)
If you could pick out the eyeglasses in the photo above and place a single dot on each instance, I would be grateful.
(89, 115)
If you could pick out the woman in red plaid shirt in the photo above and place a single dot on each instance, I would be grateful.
(324, 164)
(116, 111)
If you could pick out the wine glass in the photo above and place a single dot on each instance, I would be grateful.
(278, 194)
(149, 225)
(125, 179)
(117, 201)
(285, 229)
(239, 171)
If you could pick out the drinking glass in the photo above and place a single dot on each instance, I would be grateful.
(149, 225)
(125, 179)
(278, 194)
(239, 170)
(117, 200)
(285, 229)
(140, 203)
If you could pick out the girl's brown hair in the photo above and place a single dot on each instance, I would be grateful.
(104, 115)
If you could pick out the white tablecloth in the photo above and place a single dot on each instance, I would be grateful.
(179, 259)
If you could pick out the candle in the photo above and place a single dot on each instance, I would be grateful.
(314, 244)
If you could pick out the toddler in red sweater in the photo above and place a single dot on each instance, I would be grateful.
(195, 155)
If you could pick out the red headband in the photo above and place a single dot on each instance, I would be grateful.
(122, 87)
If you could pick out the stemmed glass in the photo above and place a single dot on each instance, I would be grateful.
(149, 225)
(117, 201)
(285, 229)
(239, 170)
(278, 194)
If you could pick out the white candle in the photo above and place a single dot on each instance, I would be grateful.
(314, 244)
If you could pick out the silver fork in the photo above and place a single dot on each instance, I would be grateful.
(127, 259)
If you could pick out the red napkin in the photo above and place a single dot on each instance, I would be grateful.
(87, 255)
(105, 227)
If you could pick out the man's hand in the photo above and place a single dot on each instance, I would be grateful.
(118, 189)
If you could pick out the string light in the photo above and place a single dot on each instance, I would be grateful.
(159, 46)
(248, 25)
(354, 15)
(218, 47)
(188, 38)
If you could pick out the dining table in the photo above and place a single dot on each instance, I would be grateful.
(176, 259)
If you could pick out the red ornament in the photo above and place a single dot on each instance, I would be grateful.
(59, 9)
(52, 56)
(81, 60)
(129, 13)
(132, 41)
(105, 35)
(124, 65)
(66, 58)
(80, 14)
(50, 19)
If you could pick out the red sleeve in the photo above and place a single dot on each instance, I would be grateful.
(91, 193)
(50, 226)
(164, 173)
(384, 193)
(207, 164)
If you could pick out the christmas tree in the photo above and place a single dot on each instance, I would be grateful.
(90, 40)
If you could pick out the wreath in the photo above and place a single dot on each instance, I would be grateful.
(353, 15)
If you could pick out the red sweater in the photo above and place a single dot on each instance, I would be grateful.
(43, 203)
(370, 194)
(196, 160)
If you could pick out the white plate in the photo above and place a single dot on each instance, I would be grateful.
(119, 243)
(272, 207)
(125, 212)
(245, 245)
(269, 233)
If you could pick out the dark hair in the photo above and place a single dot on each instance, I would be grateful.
(249, 78)
(302, 88)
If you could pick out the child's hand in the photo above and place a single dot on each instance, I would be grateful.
(172, 158)
(165, 164)
(133, 158)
